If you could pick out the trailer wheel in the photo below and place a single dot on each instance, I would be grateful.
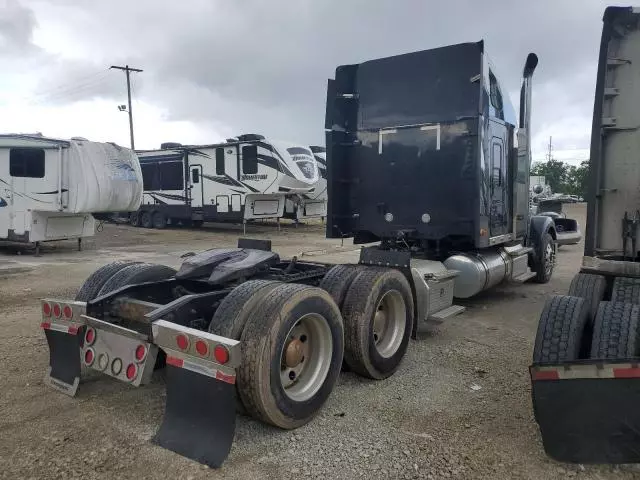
(197, 223)
(145, 219)
(626, 290)
(134, 219)
(615, 332)
(338, 280)
(543, 266)
(159, 220)
(378, 319)
(234, 311)
(292, 354)
(590, 287)
(97, 279)
(138, 273)
(561, 329)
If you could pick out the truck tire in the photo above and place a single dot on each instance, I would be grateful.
(338, 280)
(134, 219)
(234, 311)
(561, 329)
(138, 273)
(626, 290)
(544, 262)
(378, 320)
(159, 220)
(292, 354)
(145, 219)
(590, 287)
(92, 285)
(615, 331)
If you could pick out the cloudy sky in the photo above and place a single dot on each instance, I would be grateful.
(216, 68)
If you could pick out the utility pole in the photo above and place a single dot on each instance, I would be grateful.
(550, 149)
(127, 70)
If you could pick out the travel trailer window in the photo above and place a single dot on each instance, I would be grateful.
(149, 176)
(219, 161)
(26, 162)
(250, 159)
(171, 175)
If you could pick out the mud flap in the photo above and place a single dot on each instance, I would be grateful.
(64, 361)
(200, 417)
(590, 420)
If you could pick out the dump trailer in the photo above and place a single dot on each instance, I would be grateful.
(424, 164)
(585, 375)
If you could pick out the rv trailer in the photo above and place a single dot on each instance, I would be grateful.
(49, 188)
(313, 204)
(243, 179)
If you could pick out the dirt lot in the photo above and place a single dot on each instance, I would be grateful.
(429, 420)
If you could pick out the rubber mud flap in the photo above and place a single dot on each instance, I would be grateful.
(589, 420)
(200, 417)
(64, 361)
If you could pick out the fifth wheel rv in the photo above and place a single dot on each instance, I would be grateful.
(314, 203)
(49, 188)
(245, 178)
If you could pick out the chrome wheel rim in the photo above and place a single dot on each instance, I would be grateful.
(305, 357)
(549, 258)
(389, 323)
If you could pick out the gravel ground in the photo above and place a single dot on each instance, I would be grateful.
(459, 407)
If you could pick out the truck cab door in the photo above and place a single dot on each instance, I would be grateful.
(499, 220)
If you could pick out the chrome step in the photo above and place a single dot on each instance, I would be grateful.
(445, 313)
(524, 277)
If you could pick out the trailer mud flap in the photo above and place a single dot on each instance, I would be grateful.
(200, 416)
(64, 361)
(588, 413)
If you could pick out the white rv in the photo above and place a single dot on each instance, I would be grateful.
(312, 204)
(49, 188)
(245, 178)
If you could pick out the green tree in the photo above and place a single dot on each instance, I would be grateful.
(554, 171)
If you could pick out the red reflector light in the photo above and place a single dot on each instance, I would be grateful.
(67, 311)
(626, 372)
(221, 354)
(132, 371)
(141, 352)
(73, 330)
(182, 341)
(202, 348)
(546, 375)
(174, 361)
(57, 310)
(46, 325)
(46, 309)
(90, 336)
(88, 357)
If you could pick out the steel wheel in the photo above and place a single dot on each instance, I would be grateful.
(306, 357)
(549, 259)
(389, 323)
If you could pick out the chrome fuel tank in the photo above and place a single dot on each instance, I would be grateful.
(478, 271)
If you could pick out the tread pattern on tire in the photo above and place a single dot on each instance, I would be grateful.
(358, 311)
(97, 279)
(626, 290)
(338, 280)
(257, 338)
(615, 333)
(560, 329)
(137, 273)
(590, 287)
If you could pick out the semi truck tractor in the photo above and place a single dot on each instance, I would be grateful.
(585, 375)
(428, 165)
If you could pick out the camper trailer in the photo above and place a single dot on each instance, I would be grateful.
(245, 178)
(49, 188)
(313, 204)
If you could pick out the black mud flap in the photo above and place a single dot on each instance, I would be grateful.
(64, 361)
(589, 420)
(200, 417)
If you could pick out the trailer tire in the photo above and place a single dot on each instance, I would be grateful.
(544, 262)
(590, 287)
(234, 311)
(159, 220)
(137, 273)
(626, 290)
(377, 292)
(145, 219)
(561, 329)
(338, 280)
(295, 321)
(134, 219)
(92, 285)
(197, 223)
(615, 331)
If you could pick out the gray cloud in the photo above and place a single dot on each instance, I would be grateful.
(262, 66)
(17, 24)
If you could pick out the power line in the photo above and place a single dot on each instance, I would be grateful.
(127, 70)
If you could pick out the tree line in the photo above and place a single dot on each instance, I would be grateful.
(563, 177)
